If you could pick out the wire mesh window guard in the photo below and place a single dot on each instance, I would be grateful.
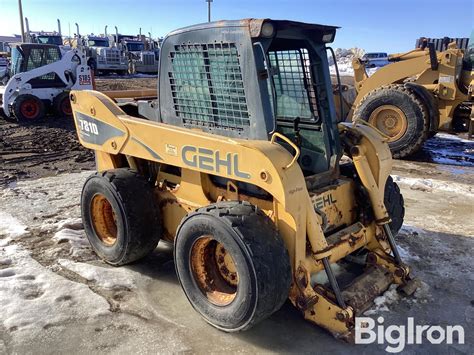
(295, 93)
(207, 86)
(42, 56)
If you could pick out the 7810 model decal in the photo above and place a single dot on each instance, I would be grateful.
(88, 127)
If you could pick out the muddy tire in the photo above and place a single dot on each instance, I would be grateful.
(232, 265)
(62, 105)
(28, 108)
(394, 204)
(119, 216)
(399, 113)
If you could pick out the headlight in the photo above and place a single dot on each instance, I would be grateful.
(268, 29)
(328, 37)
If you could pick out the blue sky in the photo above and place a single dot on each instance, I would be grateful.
(385, 25)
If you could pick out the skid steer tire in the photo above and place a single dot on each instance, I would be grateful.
(394, 204)
(398, 112)
(62, 105)
(232, 265)
(119, 216)
(28, 108)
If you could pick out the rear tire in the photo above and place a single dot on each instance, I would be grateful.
(62, 105)
(399, 113)
(237, 294)
(119, 216)
(28, 108)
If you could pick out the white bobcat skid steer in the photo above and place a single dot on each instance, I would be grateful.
(41, 79)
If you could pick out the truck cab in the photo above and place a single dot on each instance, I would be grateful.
(141, 58)
(104, 58)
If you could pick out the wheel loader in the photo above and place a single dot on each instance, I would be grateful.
(420, 93)
(239, 163)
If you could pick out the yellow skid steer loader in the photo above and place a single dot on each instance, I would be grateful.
(238, 163)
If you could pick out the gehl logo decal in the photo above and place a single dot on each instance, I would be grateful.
(324, 201)
(215, 161)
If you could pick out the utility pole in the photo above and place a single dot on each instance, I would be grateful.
(209, 10)
(21, 21)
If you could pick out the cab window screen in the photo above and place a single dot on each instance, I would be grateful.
(207, 86)
(39, 57)
(295, 94)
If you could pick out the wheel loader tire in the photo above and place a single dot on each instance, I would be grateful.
(28, 108)
(62, 105)
(232, 265)
(395, 205)
(119, 216)
(399, 113)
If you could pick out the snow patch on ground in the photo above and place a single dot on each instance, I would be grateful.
(44, 202)
(34, 298)
(106, 277)
(453, 137)
(382, 303)
(10, 228)
(406, 255)
(322, 278)
(429, 185)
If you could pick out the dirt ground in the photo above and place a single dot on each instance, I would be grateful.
(48, 147)
(56, 296)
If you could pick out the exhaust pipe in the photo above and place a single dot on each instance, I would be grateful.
(59, 27)
(27, 24)
(116, 37)
(105, 31)
(77, 30)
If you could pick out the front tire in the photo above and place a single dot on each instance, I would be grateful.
(232, 265)
(400, 114)
(28, 108)
(119, 216)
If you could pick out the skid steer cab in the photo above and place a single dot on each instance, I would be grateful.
(40, 81)
(238, 163)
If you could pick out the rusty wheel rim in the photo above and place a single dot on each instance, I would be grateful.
(390, 120)
(104, 220)
(214, 271)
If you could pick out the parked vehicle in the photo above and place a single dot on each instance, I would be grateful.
(103, 58)
(141, 57)
(41, 79)
(375, 59)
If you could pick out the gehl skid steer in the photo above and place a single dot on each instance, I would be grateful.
(238, 164)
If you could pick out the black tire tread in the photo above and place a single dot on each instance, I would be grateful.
(57, 104)
(129, 185)
(19, 100)
(395, 205)
(268, 251)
